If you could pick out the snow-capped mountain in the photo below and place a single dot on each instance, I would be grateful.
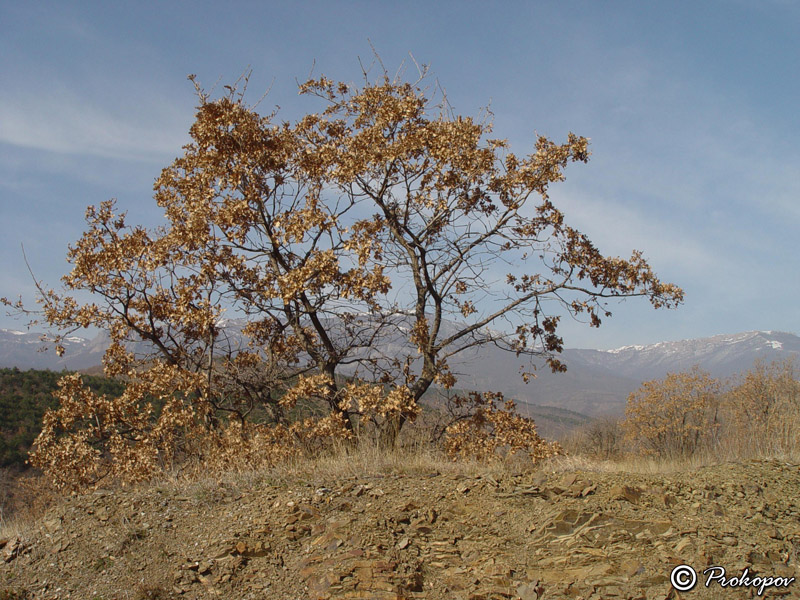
(722, 355)
(597, 381)
(25, 350)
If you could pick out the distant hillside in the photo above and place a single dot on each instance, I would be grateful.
(23, 350)
(722, 355)
(597, 382)
(552, 422)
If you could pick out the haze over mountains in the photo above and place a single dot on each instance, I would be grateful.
(597, 381)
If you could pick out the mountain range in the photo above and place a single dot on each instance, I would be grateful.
(596, 383)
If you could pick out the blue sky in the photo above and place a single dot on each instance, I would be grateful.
(692, 111)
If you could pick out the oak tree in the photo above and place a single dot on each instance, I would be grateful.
(365, 245)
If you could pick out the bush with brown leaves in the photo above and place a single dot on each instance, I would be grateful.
(674, 417)
(491, 428)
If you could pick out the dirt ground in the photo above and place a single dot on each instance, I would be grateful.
(438, 535)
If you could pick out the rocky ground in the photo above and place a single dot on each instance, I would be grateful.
(437, 535)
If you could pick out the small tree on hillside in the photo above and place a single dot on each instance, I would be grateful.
(377, 238)
(762, 410)
(674, 417)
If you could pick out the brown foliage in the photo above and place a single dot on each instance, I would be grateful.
(383, 204)
(675, 416)
(490, 428)
(762, 410)
(755, 414)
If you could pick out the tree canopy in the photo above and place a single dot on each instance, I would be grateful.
(374, 239)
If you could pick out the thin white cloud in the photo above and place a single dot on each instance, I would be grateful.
(68, 123)
(617, 230)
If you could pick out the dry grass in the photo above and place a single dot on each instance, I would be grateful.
(631, 464)
(25, 499)
(415, 458)
(14, 527)
(364, 460)
(650, 465)
(368, 460)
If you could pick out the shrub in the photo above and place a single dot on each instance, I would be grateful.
(487, 431)
(674, 417)
(762, 411)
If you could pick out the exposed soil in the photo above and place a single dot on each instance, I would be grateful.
(431, 535)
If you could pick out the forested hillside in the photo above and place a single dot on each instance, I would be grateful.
(24, 397)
